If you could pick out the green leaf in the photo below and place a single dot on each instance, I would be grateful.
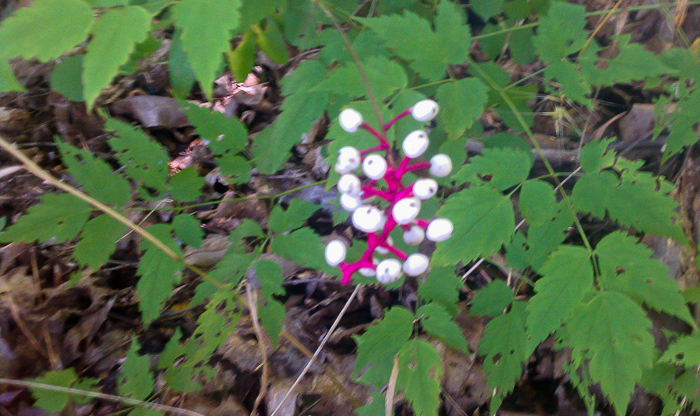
(419, 376)
(453, 34)
(439, 324)
(561, 32)
(179, 70)
(543, 239)
(384, 77)
(158, 273)
(186, 184)
(376, 407)
(293, 217)
(111, 46)
(633, 63)
(230, 269)
(685, 351)
(486, 9)
(271, 42)
(500, 168)
(492, 300)
(595, 156)
(188, 229)
(268, 275)
(632, 201)
(95, 175)
(236, 168)
(241, 60)
(567, 277)
(483, 220)
(503, 345)
(46, 30)
(66, 78)
(8, 81)
(461, 102)
(144, 159)
(617, 349)
(136, 378)
(98, 240)
(442, 287)
(573, 83)
(628, 267)
(54, 401)
(253, 12)
(305, 248)
(537, 202)
(684, 131)
(379, 344)
(272, 145)
(225, 135)
(206, 27)
(58, 216)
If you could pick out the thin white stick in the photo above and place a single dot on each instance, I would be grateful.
(318, 350)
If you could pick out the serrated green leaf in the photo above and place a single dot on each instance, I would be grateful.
(461, 102)
(206, 27)
(111, 46)
(247, 228)
(8, 81)
(384, 77)
(46, 30)
(230, 269)
(268, 275)
(543, 239)
(378, 343)
(299, 111)
(500, 168)
(632, 201)
(492, 300)
(66, 78)
(439, 324)
(521, 48)
(453, 34)
(618, 349)
(58, 216)
(442, 287)
(561, 32)
(53, 401)
(629, 267)
(188, 229)
(503, 345)
(537, 202)
(271, 42)
(573, 83)
(144, 160)
(594, 156)
(685, 351)
(304, 77)
(182, 77)
(483, 220)
(486, 9)
(419, 376)
(567, 277)
(98, 240)
(633, 63)
(136, 378)
(225, 136)
(305, 248)
(185, 184)
(376, 406)
(683, 130)
(236, 168)
(95, 175)
(242, 58)
(293, 217)
(158, 273)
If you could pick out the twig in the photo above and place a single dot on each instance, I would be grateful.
(252, 296)
(318, 350)
(391, 389)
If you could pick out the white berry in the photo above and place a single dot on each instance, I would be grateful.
(388, 271)
(416, 264)
(439, 229)
(367, 272)
(414, 236)
(374, 166)
(425, 188)
(350, 203)
(415, 144)
(335, 252)
(350, 184)
(367, 219)
(406, 210)
(350, 120)
(348, 160)
(440, 166)
(425, 110)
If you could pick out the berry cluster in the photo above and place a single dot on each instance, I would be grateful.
(404, 202)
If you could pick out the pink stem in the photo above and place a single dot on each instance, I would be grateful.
(368, 191)
(398, 253)
(401, 115)
(402, 168)
(418, 166)
(382, 140)
(406, 193)
(422, 223)
(371, 149)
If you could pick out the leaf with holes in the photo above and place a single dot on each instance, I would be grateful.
(420, 371)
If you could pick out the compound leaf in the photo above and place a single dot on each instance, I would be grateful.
(111, 46)
(566, 278)
(95, 175)
(685, 351)
(419, 376)
(461, 102)
(58, 216)
(504, 168)
(483, 220)
(98, 240)
(137, 380)
(158, 272)
(46, 30)
(439, 324)
(492, 300)
(618, 349)
(206, 27)
(294, 216)
(380, 342)
(442, 287)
